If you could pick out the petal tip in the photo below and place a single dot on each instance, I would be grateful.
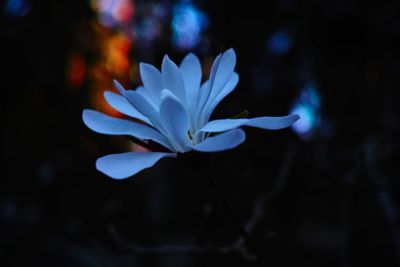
(87, 117)
(107, 94)
(143, 66)
(85, 113)
(294, 117)
(118, 85)
(166, 59)
(101, 168)
(230, 52)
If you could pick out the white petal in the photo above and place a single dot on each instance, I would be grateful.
(191, 74)
(175, 121)
(223, 72)
(124, 165)
(152, 81)
(105, 124)
(122, 105)
(146, 95)
(143, 105)
(212, 103)
(120, 88)
(172, 79)
(223, 141)
(205, 94)
(228, 88)
(269, 123)
(273, 123)
(202, 98)
(216, 126)
(214, 68)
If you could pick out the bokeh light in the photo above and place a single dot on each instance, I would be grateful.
(188, 24)
(17, 8)
(280, 42)
(113, 12)
(308, 107)
(76, 70)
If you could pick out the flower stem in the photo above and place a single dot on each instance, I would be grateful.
(243, 232)
(201, 163)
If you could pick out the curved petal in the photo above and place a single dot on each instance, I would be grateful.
(143, 105)
(175, 120)
(124, 165)
(146, 95)
(268, 123)
(152, 81)
(140, 89)
(214, 69)
(172, 79)
(191, 74)
(228, 88)
(212, 104)
(120, 88)
(105, 124)
(273, 123)
(223, 72)
(205, 94)
(223, 141)
(122, 105)
(216, 126)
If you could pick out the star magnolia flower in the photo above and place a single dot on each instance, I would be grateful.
(175, 109)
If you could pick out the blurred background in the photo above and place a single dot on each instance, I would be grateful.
(322, 193)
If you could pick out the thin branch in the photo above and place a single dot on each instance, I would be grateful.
(236, 247)
(281, 180)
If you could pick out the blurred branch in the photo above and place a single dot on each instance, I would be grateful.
(372, 159)
(236, 247)
(244, 238)
(239, 246)
(281, 180)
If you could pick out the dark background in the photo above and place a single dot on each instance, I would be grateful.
(325, 197)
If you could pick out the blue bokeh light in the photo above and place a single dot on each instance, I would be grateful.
(17, 8)
(280, 42)
(188, 24)
(308, 107)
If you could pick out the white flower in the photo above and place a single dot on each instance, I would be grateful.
(175, 109)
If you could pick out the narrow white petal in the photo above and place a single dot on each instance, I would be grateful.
(273, 123)
(191, 74)
(144, 106)
(268, 123)
(223, 72)
(212, 103)
(122, 105)
(223, 141)
(197, 118)
(172, 79)
(120, 88)
(205, 94)
(146, 95)
(175, 121)
(228, 88)
(124, 165)
(152, 80)
(105, 124)
(222, 125)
